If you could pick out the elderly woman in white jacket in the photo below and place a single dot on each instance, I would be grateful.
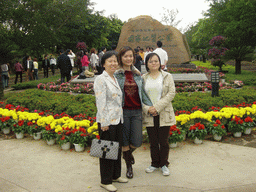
(110, 118)
(160, 88)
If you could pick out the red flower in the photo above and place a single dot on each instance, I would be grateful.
(218, 121)
(20, 123)
(248, 119)
(215, 125)
(62, 138)
(97, 136)
(223, 126)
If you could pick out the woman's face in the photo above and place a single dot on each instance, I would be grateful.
(153, 63)
(127, 58)
(111, 64)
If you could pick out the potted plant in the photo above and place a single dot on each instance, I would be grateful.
(176, 135)
(19, 129)
(197, 132)
(217, 129)
(249, 123)
(6, 123)
(49, 135)
(34, 130)
(236, 126)
(63, 138)
(79, 138)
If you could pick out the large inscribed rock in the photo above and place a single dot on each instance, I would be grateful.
(145, 31)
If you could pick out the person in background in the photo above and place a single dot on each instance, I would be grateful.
(113, 47)
(5, 69)
(130, 82)
(18, 70)
(141, 52)
(29, 68)
(160, 88)
(151, 49)
(64, 64)
(85, 61)
(72, 56)
(109, 118)
(99, 68)
(162, 54)
(35, 63)
(94, 60)
(53, 63)
(146, 53)
(138, 59)
(46, 65)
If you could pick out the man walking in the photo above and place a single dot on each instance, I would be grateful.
(162, 54)
(46, 65)
(65, 66)
(29, 68)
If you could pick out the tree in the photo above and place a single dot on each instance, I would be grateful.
(235, 19)
(169, 17)
(218, 51)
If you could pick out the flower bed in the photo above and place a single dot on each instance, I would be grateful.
(180, 87)
(64, 127)
(67, 87)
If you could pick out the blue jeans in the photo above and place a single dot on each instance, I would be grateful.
(5, 79)
(132, 129)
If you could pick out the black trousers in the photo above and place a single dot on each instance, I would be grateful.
(111, 169)
(159, 145)
(46, 72)
(18, 73)
(63, 75)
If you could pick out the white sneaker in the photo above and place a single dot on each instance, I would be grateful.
(150, 169)
(109, 187)
(165, 171)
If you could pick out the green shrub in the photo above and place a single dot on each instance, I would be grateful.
(33, 84)
(186, 101)
(40, 100)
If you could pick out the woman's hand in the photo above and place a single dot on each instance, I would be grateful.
(152, 111)
(105, 128)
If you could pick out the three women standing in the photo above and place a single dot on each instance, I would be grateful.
(130, 82)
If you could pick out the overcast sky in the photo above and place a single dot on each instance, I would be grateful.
(189, 10)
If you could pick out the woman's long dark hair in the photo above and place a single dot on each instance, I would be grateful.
(121, 53)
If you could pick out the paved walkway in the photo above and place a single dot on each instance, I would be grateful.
(29, 165)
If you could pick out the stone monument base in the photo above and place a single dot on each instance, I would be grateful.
(183, 65)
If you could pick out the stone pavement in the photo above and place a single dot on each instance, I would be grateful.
(29, 165)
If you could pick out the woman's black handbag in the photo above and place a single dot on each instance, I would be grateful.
(104, 149)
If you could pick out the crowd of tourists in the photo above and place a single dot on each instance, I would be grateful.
(126, 101)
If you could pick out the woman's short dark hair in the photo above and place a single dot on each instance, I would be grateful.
(121, 53)
(93, 50)
(35, 59)
(149, 56)
(107, 55)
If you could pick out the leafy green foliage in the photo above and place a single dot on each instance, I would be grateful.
(55, 102)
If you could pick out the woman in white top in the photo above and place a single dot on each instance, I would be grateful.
(94, 60)
(160, 88)
(110, 118)
(53, 63)
(35, 63)
(72, 56)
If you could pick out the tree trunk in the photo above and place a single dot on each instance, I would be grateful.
(238, 66)
(204, 59)
(1, 88)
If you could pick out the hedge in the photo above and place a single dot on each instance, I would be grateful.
(85, 104)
